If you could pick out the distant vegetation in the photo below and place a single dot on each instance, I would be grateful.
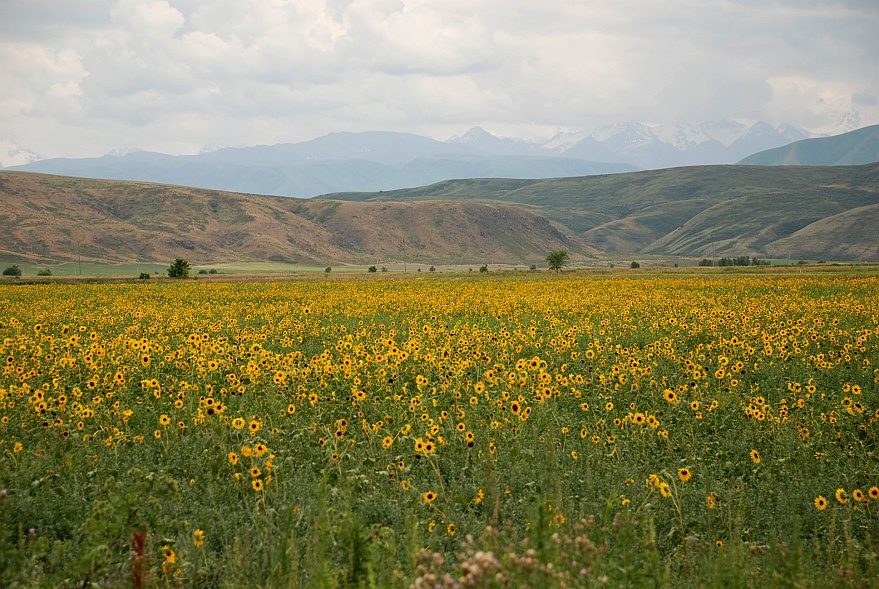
(765, 212)
(856, 147)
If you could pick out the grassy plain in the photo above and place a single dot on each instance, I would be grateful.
(715, 429)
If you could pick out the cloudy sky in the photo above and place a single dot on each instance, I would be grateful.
(82, 77)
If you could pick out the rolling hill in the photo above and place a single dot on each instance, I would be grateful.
(767, 212)
(48, 219)
(852, 148)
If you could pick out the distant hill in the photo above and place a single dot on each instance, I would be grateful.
(378, 160)
(852, 148)
(336, 162)
(49, 219)
(704, 211)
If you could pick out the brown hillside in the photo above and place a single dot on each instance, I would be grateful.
(51, 219)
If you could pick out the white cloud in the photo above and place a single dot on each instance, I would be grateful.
(170, 74)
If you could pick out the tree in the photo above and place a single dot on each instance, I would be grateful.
(372, 269)
(557, 259)
(179, 269)
(44, 272)
(12, 270)
(634, 265)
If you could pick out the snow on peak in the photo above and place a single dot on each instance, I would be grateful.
(123, 151)
(13, 154)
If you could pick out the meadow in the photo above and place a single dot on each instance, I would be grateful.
(484, 431)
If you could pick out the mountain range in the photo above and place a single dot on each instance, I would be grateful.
(788, 212)
(373, 161)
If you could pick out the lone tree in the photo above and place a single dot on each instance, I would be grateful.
(179, 269)
(557, 259)
(12, 270)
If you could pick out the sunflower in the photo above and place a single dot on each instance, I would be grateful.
(450, 530)
(238, 422)
(840, 496)
(428, 496)
(233, 458)
(198, 538)
(255, 472)
(684, 474)
(664, 489)
(165, 420)
(387, 442)
(873, 493)
(260, 449)
(755, 456)
(257, 485)
(820, 503)
(859, 496)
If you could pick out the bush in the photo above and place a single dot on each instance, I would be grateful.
(202, 271)
(12, 270)
(212, 271)
(327, 270)
(179, 269)
(384, 269)
(432, 269)
(557, 259)
(483, 268)
(372, 269)
(634, 264)
(144, 276)
(45, 272)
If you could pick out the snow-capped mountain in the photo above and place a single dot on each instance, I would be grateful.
(713, 142)
(13, 154)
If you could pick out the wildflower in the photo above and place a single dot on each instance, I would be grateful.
(755, 456)
(684, 474)
(664, 489)
(820, 503)
(257, 485)
(428, 496)
(858, 495)
(873, 493)
(238, 423)
(450, 530)
(198, 538)
(840, 496)
(233, 458)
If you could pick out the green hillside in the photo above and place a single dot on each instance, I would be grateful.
(853, 148)
(697, 211)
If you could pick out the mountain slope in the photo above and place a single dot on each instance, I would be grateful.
(853, 148)
(697, 211)
(46, 219)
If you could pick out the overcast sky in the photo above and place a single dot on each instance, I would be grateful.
(81, 77)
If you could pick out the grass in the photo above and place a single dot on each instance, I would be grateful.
(665, 427)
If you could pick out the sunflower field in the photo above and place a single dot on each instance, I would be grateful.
(496, 431)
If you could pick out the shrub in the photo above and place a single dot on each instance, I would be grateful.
(372, 269)
(179, 269)
(634, 264)
(12, 270)
(483, 268)
(144, 276)
(45, 272)
(212, 271)
(327, 270)
(384, 269)
(432, 269)
(202, 271)
(557, 259)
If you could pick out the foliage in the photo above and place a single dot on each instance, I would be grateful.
(144, 276)
(44, 272)
(372, 269)
(634, 265)
(13, 270)
(483, 268)
(327, 270)
(506, 431)
(557, 259)
(179, 269)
